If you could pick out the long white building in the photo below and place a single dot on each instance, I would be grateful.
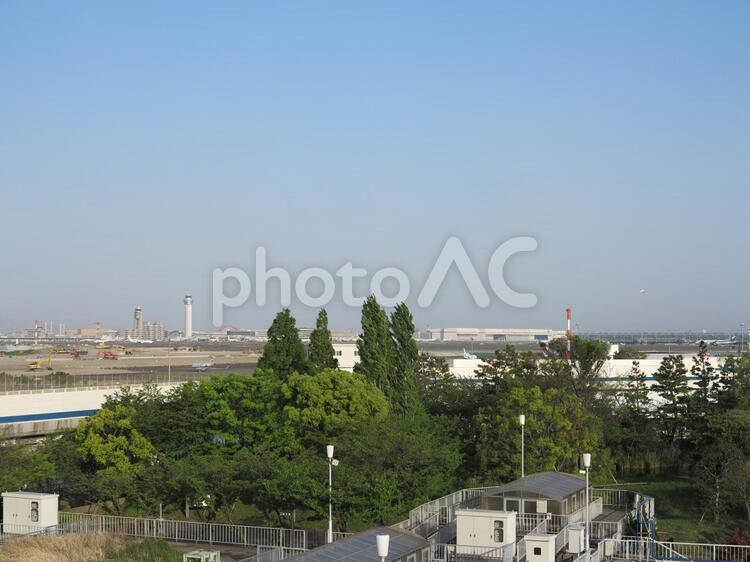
(510, 335)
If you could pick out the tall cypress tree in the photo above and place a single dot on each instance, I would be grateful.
(375, 347)
(321, 354)
(406, 357)
(284, 353)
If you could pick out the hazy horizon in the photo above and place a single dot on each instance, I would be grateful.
(143, 145)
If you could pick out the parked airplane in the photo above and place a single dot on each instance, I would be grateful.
(730, 341)
(132, 340)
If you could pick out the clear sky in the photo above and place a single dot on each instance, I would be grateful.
(143, 144)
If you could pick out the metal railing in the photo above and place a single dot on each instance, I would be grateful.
(467, 553)
(611, 497)
(595, 510)
(64, 382)
(601, 530)
(9, 531)
(446, 506)
(271, 555)
(185, 531)
(590, 556)
(540, 529)
(637, 549)
(561, 540)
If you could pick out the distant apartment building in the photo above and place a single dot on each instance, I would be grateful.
(509, 335)
(347, 355)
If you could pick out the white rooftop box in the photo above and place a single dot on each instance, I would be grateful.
(26, 512)
(484, 528)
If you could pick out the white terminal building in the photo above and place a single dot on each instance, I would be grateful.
(510, 335)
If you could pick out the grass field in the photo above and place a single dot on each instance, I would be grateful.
(679, 511)
(87, 548)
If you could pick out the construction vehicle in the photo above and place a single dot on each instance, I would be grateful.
(109, 355)
(200, 367)
(102, 345)
(39, 364)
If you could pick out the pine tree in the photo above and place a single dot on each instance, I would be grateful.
(375, 347)
(406, 357)
(703, 371)
(725, 385)
(321, 354)
(637, 397)
(284, 353)
(671, 385)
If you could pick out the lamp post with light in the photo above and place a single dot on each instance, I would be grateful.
(383, 542)
(331, 463)
(522, 421)
(586, 467)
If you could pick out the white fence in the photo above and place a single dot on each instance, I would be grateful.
(601, 530)
(445, 506)
(636, 549)
(186, 531)
(611, 497)
(10, 531)
(466, 553)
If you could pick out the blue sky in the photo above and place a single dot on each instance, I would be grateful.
(143, 144)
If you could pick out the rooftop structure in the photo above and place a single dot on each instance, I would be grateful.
(362, 547)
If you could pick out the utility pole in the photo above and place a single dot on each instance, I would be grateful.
(587, 466)
(331, 463)
(522, 421)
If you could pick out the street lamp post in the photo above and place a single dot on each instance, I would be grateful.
(586, 467)
(383, 542)
(331, 463)
(522, 421)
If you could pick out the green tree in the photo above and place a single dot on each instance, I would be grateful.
(108, 439)
(725, 446)
(389, 467)
(116, 452)
(284, 353)
(580, 375)
(672, 386)
(508, 368)
(375, 346)
(405, 358)
(321, 354)
(631, 435)
(558, 429)
(637, 392)
(629, 353)
(23, 466)
(330, 401)
(456, 399)
(703, 372)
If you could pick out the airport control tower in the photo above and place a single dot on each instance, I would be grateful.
(138, 322)
(188, 316)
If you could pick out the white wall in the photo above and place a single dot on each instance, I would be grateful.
(347, 355)
(60, 403)
(466, 368)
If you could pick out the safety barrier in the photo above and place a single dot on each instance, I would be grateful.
(637, 549)
(186, 531)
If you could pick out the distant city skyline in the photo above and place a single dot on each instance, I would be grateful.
(144, 145)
